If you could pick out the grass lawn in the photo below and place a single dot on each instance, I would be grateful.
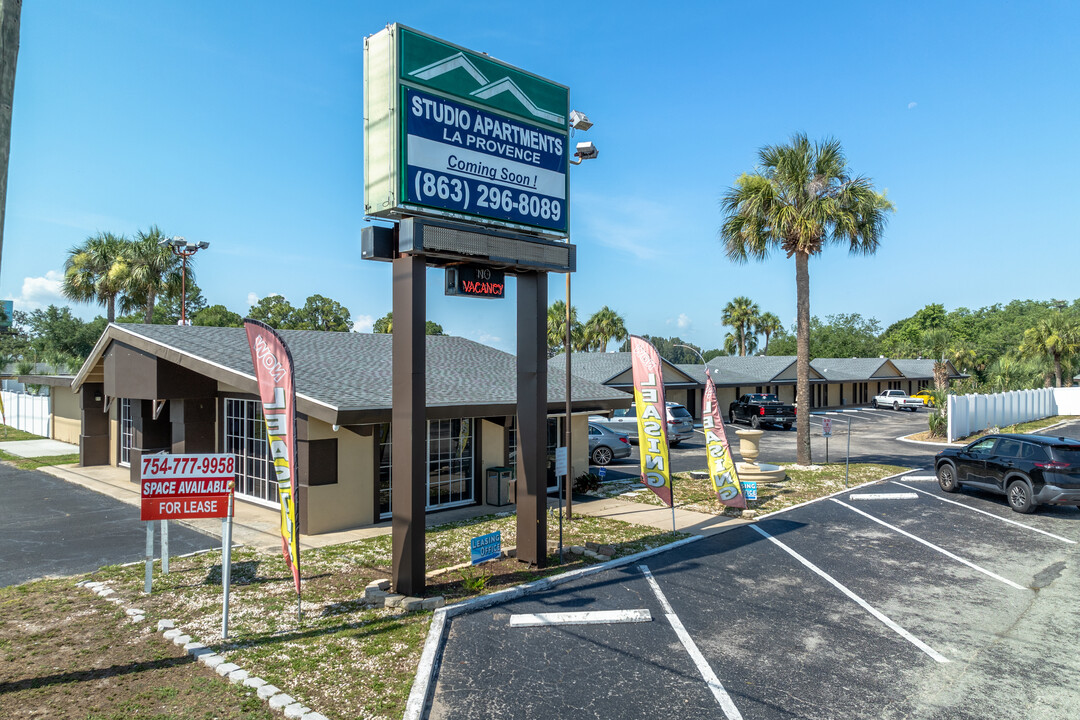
(9, 433)
(66, 653)
(38, 462)
(345, 659)
(1026, 427)
(800, 486)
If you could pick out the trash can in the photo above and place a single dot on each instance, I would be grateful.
(498, 485)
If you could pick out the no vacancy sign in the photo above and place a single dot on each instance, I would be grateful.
(179, 487)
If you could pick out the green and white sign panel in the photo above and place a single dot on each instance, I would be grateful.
(453, 133)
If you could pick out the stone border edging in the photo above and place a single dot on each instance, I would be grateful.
(429, 658)
(274, 697)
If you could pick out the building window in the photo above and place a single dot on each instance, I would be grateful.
(126, 432)
(556, 438)
(451, 458)
(451, 446)
(245, 437)
(383, 447)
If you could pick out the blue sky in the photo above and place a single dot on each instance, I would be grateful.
(241, 124)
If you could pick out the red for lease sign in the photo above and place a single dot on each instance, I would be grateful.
(179, 487)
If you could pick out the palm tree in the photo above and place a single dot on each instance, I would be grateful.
(742, 314)
(602, 327)
(151, 271)
(10, 16)
(731, 344)
(767, 324)
(94, 271)
(1056, 338)
(934, 343)
(802, 198)
(556, 327)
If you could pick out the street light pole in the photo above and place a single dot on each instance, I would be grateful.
(183, 249)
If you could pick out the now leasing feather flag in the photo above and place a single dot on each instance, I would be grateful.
(651, 417)
(721, 465)
(277, 390)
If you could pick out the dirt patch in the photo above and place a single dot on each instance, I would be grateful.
(65, 653)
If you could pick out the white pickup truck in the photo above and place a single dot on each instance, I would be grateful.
(897, 400)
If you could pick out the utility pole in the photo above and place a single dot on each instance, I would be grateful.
(10, 15)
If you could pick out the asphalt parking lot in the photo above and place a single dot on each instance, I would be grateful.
(55, 528)
(873, 439)
(932, 606)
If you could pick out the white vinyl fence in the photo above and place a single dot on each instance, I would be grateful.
(27, 412)
(971, 413)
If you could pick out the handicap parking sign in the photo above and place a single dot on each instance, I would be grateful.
(601, 473)
(750, 490)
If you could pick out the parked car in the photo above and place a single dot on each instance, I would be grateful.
(680, 423)
(1029, 470)
(758, 408)
(606, 444)
(926, 395)
(896, 399)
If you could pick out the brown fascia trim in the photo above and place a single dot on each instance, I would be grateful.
(246, 383)
(50, 380)
(449, 412)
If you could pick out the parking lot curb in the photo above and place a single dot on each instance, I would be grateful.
(428, 668)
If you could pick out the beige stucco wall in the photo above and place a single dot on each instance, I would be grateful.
(579, 445)
(724, 397)
(349, 502)
(66, 415)
(114, 432)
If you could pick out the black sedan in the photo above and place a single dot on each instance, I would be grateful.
(1029, 470)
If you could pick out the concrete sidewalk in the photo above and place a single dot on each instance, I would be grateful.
(259, 527)
(38, 448)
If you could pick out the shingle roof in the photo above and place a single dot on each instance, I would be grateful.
(921, 368)
(695, 371)
(352, 371)
(847, 369)
(601, 367)
(748, 369)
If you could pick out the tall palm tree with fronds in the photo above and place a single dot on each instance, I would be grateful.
(94, 271)
(934, 342)
(742, 315)
(1055, 338)
(151, 271)
(602, 327)
(556, 328)
(767, 324)
(801, 198)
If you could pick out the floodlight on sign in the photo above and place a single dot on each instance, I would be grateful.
(579, 121)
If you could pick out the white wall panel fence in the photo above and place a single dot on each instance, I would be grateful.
(971, 413)
(27, 412)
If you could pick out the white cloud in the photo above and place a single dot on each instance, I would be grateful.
(489, 339)
(363, 323)
(39, 292)
(911, 105)
(683, 321)
(253, 299)
(636, 226)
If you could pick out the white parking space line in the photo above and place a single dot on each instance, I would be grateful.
(862, 603)
(593, 617)
(983, 512)
(932, 546)
(922, 478)
(707, 674)
(883, 496)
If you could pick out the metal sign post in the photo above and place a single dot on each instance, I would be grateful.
(226, 564)
(149, 583)
(164, 547)
(847, 457)
(826, 432)
(561, 463)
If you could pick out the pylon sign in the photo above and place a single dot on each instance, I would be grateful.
(453, 133)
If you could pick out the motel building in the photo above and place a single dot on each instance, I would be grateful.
(148, 389)
(834, 382)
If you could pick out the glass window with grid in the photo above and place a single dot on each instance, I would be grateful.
(451, 447)
(383, 446)
(126, 432)
(245, 437)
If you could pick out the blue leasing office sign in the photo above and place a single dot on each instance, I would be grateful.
(453, 133)
(486, 547)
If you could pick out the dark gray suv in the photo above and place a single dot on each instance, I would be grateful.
(680, 423)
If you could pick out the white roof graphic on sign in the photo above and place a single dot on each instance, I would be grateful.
(488, 89)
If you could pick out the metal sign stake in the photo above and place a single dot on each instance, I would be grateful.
(847, 458)
(164, 547)
(226, 565)
(149, 557)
